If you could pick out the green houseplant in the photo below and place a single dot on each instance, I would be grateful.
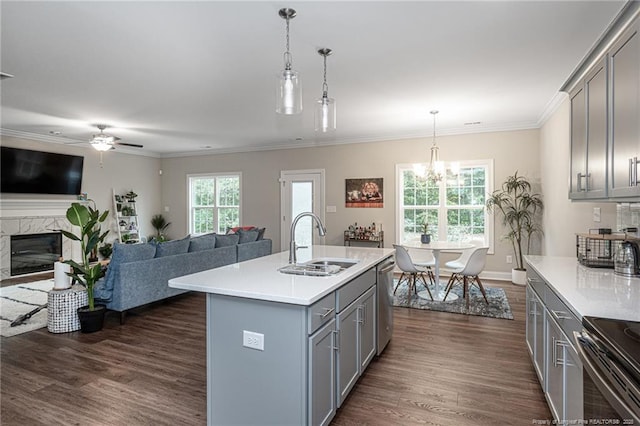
(160, 224)
(520, 209)
(88, 219)
(425, 237)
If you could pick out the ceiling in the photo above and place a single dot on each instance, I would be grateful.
(185, 77)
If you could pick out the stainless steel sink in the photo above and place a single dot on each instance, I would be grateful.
(318, 267)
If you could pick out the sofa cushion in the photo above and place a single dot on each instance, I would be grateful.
(260, 233)
(122, 253)
(202, 242)
(245, 236)
(170, 248)
(227, 240)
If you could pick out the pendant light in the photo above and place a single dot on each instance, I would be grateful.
(436, 167)
(289, 95)
(325, 114)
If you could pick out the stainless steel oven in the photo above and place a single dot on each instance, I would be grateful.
(610, 354)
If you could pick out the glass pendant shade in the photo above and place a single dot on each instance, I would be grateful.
(289, 96)
(325, 114)
(101, 146)
(102, 142)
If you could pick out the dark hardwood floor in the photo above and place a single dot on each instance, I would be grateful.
(439, 369)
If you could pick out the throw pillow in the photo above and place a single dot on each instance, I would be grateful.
(227, 240)
(170, 248)
(202, 242)
(235, 229)
(247, 236)
(260, 233)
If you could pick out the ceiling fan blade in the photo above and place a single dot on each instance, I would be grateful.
(128, 144)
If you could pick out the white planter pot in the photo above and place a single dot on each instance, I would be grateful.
(519, 277)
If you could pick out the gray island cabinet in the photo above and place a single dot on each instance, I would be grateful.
(286, 349)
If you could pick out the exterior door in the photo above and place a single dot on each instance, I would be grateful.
(300, 191)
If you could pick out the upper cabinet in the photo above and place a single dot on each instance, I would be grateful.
(624, 146)
(605, 115)
(589, 136)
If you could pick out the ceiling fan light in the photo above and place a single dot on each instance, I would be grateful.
(103, 139)
(100, 145)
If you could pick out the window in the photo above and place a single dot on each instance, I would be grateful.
(454, 209)
(214, 203)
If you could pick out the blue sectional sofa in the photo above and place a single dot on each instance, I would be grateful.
(138, 274)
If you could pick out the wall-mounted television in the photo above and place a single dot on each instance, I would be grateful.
(35, 172)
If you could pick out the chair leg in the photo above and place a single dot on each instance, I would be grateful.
(448, 287)
(484, 294)
(399, 282)
(424, 280)
(465, 290)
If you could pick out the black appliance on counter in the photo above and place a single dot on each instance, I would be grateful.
(610, 353)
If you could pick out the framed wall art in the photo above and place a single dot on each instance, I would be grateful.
(364, 192)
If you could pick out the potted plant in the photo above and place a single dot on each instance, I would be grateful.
(520, 210)
(425, 237)
(131, 196)
(88, 219)
(105, 250)
(160, 224)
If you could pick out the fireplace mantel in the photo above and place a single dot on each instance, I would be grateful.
(34, 207)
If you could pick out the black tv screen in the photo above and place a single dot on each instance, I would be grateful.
(35, 172)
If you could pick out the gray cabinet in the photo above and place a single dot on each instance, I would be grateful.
(322, 373)
(549, 331)
(588, 176)
(624, 146)
(536, 333)
(356, 347)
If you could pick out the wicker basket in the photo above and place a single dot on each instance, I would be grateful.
(596, 250)
(63, 307)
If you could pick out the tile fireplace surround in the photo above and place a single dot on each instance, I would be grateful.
(22, 216)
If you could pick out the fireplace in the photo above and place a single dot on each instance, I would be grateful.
(35, 252)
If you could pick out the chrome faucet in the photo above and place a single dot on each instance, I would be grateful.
(322, 231)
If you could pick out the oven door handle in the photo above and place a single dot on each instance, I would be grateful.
(609, 393)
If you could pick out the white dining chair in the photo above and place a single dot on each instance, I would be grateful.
(464, 256)
(427, 262)
(410, 272)
(469, 274)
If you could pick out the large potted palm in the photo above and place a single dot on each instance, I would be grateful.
(520, 209)
(87, 273)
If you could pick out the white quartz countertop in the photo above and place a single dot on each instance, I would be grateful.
(590, 291)
(259, 278)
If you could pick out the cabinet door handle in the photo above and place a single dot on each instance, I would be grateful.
(579, 182)
(361, 314)
(532, 308)
(630, 171)
(560, 315)
(327, 311)
(335, 339)
(554, 351)
(635, 171)
(562, 344)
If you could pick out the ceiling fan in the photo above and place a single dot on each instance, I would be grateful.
(106, 142)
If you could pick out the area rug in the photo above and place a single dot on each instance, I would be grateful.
(20, 299)
(498, 304)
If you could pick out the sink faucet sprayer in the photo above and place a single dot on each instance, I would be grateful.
(322, 231)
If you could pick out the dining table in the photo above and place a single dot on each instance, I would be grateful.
(436, 247)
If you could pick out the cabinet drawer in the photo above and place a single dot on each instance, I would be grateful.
(561, 314)
(321, 312)
(354, 288)
(536, 282)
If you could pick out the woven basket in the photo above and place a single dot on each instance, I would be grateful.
(62, 316)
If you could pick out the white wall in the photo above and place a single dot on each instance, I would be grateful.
(515, 150)
(119, 171)
(562, 217)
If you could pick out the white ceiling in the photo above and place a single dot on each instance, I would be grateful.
(178, 77)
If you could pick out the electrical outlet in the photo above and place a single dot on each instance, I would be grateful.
(509, 259)
(253, 340)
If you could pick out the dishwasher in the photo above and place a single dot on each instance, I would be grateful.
(385, 303)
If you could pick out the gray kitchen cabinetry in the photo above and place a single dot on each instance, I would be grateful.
(535, 331)
(589, 136)
(322, 374)
(624, 132)
(356, 331)
(550, 326)
(291, 376)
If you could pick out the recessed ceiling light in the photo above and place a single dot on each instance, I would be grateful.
(206, 147)
(472, 123)
(55, 132)
(298, 139)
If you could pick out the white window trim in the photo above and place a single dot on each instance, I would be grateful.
(489, 224)
(205, 175)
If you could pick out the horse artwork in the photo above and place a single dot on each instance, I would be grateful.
(364, 192)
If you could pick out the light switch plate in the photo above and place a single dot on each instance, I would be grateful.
(596, 214)
(331, 209)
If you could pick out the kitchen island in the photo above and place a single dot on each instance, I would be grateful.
(287, 349)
